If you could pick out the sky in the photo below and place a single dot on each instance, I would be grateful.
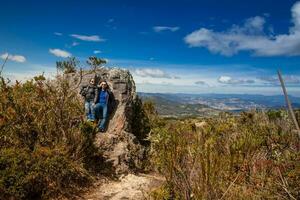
(186, 46)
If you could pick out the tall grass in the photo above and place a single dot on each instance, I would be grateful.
(251, 156)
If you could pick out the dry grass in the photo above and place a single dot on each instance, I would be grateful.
(252, 156)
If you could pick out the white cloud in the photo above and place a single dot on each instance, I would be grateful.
(269, 79)
(111, 20)
(60, 53)
(15, 58)
(207, 73)
(273, 80)
(74, 44)
(28, 71)
(200, 83)
(58, 33)
(291, 79)
(97, 51)
(153, 73)
(89, 38)
(165, 28)
(233, 81)
(250, 37)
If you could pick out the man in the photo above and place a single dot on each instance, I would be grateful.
(89, 92)
(102, 100)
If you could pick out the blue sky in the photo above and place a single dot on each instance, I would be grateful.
(169, 46)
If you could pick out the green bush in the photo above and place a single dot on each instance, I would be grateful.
(45, 146)
(40, 174)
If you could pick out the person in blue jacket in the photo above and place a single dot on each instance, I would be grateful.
(103, 99)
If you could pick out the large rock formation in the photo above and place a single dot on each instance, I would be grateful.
(119, 145)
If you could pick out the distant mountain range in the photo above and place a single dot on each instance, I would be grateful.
(169, 104)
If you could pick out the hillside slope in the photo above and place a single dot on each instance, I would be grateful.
(170, 106)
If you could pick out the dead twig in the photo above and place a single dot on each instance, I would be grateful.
(81, 75)
(289, 105)
(80, 79)
(231, 184)
(285, 184)
(2, 67)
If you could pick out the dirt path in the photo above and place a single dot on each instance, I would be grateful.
(129, 187)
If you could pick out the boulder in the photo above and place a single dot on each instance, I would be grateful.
(119, 145)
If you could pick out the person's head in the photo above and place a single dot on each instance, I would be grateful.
(92, 81)
(103, 85)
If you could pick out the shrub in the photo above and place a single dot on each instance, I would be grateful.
(45, 146)
(40, 174)
(68, 66)
(251, 156)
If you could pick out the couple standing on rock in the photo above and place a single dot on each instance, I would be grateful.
(98, 100)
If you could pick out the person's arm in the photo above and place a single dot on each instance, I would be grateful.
(107, 97)
(82, 90)
(96, 95)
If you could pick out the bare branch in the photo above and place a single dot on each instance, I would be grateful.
(80, 79)
(2, 67)
(289, 105)
(284, 184)
(231, 184)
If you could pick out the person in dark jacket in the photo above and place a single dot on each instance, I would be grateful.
(89, 92)
(103, 99)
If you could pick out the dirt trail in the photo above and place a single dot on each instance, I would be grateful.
(129, 187)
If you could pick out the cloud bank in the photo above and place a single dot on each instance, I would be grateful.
(273, 80)
(60, 53)
(88, 38)
(233, 81)
(58, 33)
(15, 58)
(165, 28)
(251, 36)
(153, 73)
(202, 83)
(97, 51)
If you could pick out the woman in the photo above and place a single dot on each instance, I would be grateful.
(89, 92)
(102, 100)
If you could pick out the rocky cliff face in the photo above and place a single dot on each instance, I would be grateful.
(119, 145)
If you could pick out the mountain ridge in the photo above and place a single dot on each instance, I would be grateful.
(170, 103)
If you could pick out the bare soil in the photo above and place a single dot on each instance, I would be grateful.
(129, 187)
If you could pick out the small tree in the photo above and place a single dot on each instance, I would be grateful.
(68, 66)
(95, 62)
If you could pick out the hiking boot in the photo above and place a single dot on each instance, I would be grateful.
(102, 130)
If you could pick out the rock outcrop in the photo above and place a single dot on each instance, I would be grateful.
(120, 146)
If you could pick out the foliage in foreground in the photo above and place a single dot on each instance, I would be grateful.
(45, 147)
(251, 156)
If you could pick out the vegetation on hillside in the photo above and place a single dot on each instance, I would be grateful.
(251, 156)
(45, 145)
